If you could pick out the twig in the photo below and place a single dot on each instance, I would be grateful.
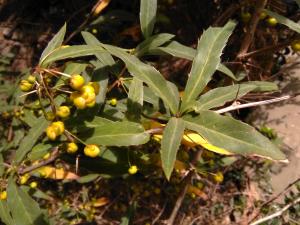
(276, 214)
(159, 214)
(180, 198)
(275, 197)
(157, 130)
(84, 23)
(265, 49)
(252, 104)
(226, 14)
(28, 169)
(186, 181)
(260, 5)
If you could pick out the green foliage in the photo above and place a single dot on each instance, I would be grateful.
(170, 144)
(147, 16)
(231, 134)
(285, 21)
(23, 208)
(205, 63)
(132, 114)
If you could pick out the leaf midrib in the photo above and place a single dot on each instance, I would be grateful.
(222, 134)
(188, 99)
(221, 97)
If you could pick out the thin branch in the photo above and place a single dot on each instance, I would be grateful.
(84, 23)
(260, 5)
(180, 198)
(275, 197)
(186, 181)
(276, 214)
(159, 214)
(265, 49)
(252, 104)
(52, 158)
(157, 130)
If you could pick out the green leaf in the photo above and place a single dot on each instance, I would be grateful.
(31, 138)
(101, 77)
(298, 3)
(232, 135)
(205, 63)
(104, 57)
(261, 86)
(181, 51)
(75, 68)
(40, 150)
(176, 49)
(224, 69)
(148, 75)
(170, 143)
(135, 100)
(147, 16)
(219, 96)
(88, 178)
(55, 42)
(5, 214)
(70, 52)
(285, 21)
(24, 209)
(150, 97)
(152, 43)
(109, 133)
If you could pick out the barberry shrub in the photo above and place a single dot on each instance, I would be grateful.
(103, 106)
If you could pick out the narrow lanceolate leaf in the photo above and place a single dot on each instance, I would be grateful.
(135, 100)
(104, 56)
(111, 133)
(5, 216)
(262, 86)
(152, 43)
(24, 210)
(206, 62)
(219, 96)
(147, 16)
(148, 75)
(176, 49)
(224, 69)
(100, 75)
(31, 138)
(70, 52)
(75, 68)
(170, 144)
(232, 135)
(55, 42)
(284, 20)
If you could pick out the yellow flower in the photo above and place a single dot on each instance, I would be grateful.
(25, 85)
(91, 151)
(3, 195)
(132, 169)
(63, 111)
(113, 102)
(77, 81)
(72, 148)
(33, 184)
(218, 177)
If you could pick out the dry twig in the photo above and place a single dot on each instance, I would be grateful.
(276, 214)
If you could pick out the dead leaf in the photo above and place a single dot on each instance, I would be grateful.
(103, 4)
(100, 202)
